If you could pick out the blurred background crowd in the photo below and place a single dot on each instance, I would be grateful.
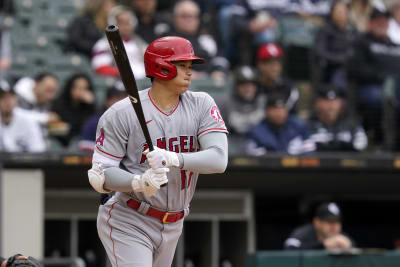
(289, 76)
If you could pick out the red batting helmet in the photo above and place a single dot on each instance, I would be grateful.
(161, 52)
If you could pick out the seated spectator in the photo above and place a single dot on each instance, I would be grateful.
(187, 25)
(241, 20)
(151, 24)
(359, 14)
(18, 133)
(87, 28)
(279, 131)
(394, 22)
(375, 59)
(270, 67)
(5, 52)
(74, 105)
(245, 106)
(37, 95)
(88, 133)
(330, 129)
(7, 12)
(333, 46)
(103, 61)
(325, 231)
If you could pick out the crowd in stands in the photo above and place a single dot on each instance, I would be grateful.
(353, 56)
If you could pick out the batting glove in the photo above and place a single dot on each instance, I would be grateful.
(160, 158)
(150, 181)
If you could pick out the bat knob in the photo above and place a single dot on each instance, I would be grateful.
(112, 28)
(163, 163)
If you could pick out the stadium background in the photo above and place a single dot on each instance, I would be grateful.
(280, 191)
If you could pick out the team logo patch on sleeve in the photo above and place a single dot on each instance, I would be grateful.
(100, 139)
(216, 115)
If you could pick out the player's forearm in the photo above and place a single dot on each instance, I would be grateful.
(212, 159)
(117, 179)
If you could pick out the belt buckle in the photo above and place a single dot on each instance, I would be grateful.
(164, 219)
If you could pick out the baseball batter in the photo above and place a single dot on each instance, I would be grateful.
(141, 224)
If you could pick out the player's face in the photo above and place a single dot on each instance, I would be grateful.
(182, 80)
(327, 229)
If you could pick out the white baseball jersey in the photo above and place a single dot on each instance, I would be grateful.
(135, 48)
(22, 134)
(119, 138)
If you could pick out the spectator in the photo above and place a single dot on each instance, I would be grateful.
(242, 19)
(187, 24)
(18, 133)
(333, 46)
(5, 52)
(74, 105)
(19, 260)
(279, 131)
(6, 20)
(86, 29)
(151, 25)
(330, 130)
(37, 95)
(359, 14)
(394, 22)
(270, 67)
(88, 133)
(375, 59)
(325, 231)
(103, 62)
(245, 106)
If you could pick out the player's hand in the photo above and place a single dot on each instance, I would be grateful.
(150, 181)
(160, 158)
(337, 241)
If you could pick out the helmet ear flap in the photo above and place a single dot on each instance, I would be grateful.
(160, 69)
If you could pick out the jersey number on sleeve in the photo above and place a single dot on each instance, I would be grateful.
(183, 179)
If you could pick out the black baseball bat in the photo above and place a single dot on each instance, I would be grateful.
(127, 77)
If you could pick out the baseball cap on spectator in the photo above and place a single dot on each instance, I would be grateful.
(117, 90)
(330, 92)
(245, 73)
(5, 88)
(377, 13)
(328, 212)
(276, 100)
(269, 51)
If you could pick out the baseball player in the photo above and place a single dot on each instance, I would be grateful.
(141, 224)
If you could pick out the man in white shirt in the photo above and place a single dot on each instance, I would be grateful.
(18, 133)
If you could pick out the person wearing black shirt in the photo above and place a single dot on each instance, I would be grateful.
(151, 24)
(324, 232)
(331, 130)
(375, 59)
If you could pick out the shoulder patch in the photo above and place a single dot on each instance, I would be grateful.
(100, 139)
(216, 115)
